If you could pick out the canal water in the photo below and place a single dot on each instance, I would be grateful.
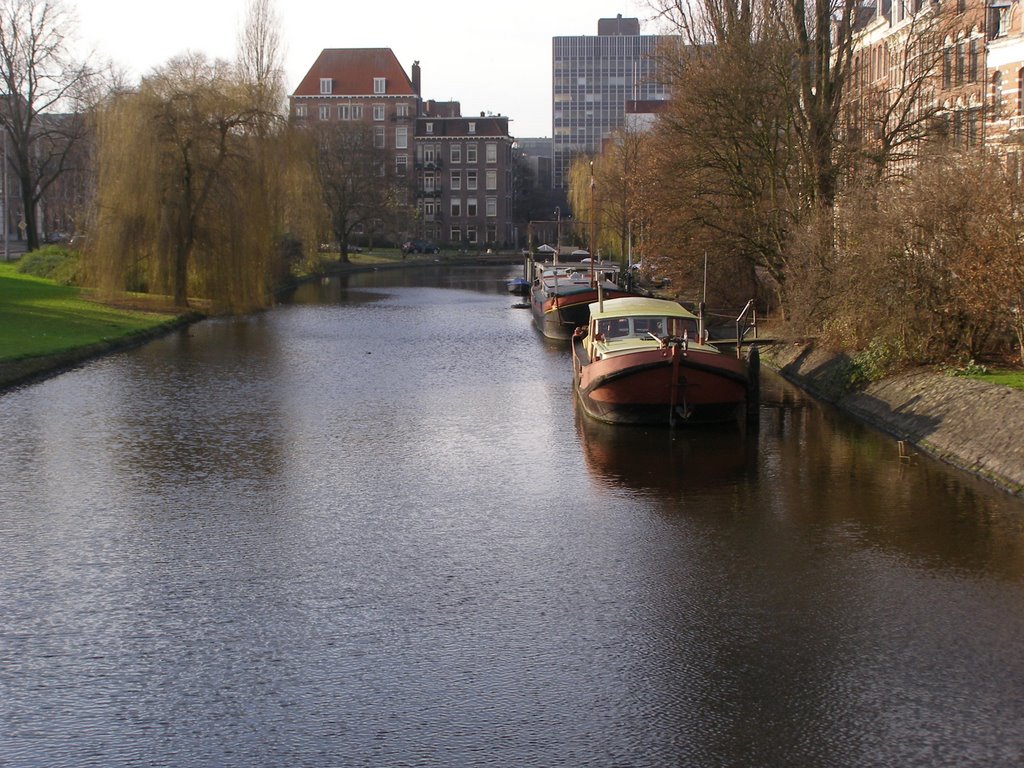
(369, 528)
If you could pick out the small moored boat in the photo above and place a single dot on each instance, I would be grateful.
(642, 361)
(562, 293)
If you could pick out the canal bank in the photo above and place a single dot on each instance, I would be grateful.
(28, 369)
(973, 425)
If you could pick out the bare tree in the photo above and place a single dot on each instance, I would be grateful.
(358, 187)
(261, 55)
(44, 89)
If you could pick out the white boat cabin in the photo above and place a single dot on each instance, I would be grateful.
(624, 325)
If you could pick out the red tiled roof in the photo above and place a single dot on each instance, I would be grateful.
(353, 70)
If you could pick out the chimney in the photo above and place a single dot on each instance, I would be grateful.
(416, 78)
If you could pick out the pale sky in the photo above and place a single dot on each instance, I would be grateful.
(491, 57)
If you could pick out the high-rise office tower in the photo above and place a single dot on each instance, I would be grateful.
(592, 78)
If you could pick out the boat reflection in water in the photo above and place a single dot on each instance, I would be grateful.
(665, 461)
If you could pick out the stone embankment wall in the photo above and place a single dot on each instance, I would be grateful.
(976, 426)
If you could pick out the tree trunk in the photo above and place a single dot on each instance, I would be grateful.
(28, 202)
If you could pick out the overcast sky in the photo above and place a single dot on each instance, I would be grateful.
(491, 57)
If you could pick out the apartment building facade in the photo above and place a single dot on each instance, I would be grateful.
(454, 172)
(463, 177)
(363, 85)
(966, 58)
(593, 78)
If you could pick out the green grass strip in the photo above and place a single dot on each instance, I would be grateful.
(1013, 379)
(41, 317)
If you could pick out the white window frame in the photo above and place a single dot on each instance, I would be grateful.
(325, 112)
(471, 152)
(380, 139)
(344, 112)
(378, 112)
(471, 208)
(455, 208)
(402, 137)
(430, 127)
(491, 207)
(472, 127)
(455, 180)
(300, 110)
(402, 110)
(326, 86)
(380, 85)
(490, 153)
(401, 165)
(471, 179)
(491, 180)
(455, 153)
(357, 111)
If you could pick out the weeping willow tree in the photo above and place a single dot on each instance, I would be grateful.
(182, 202)
(604, 192)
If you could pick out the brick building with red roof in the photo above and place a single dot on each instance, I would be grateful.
(458, 168)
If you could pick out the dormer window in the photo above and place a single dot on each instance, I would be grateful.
(326, 86)
(472, 127)
(430, 127)
(379, 84)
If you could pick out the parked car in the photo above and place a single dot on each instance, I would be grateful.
(419, 246)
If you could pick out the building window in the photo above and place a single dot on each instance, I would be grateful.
(326, 86)
(357, 111)
(430, 127)
(491, 207)
(947, 67)
(325, 112)
(402, 110)
(455, 235)
(456, 153)
(492, 233)
(472, 127)
(471, 179)
(401, 164)
(456, 208)
(491, 180)
(471, 153)
(378, 136)
(456, 180)
(471, 211)
(972, 63)
(378, 112)
(401, 137)
(429, 210)
(428, 153)
(491, 151)
(428, 182)
(471, 234)
(344, 112)
(300, 110)
(960, 60)
(997, 95)
(379, 85)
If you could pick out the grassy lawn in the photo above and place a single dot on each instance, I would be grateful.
(41, 317)
(1013, 379)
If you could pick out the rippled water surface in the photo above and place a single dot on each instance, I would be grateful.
(369, 528)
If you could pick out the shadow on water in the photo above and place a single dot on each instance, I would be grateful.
(657, 460)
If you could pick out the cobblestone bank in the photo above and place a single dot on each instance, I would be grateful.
(976, 426)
